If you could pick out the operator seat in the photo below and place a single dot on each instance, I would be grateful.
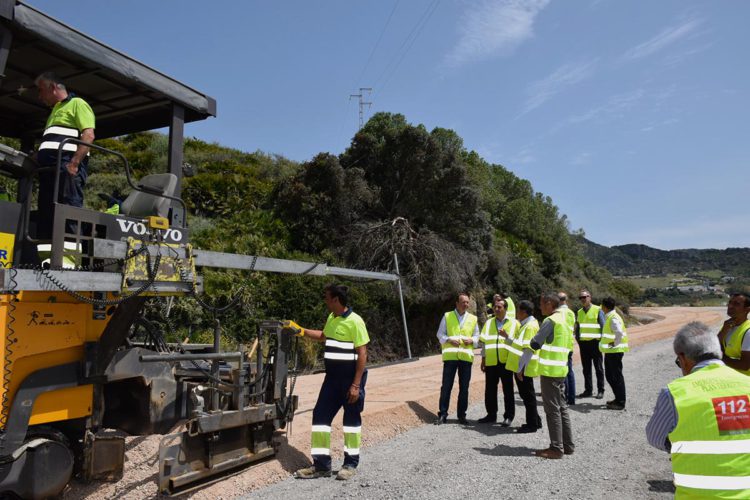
(143, 204)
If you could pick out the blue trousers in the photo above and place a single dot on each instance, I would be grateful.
(449, 375)
(333, 395)
(570, 382)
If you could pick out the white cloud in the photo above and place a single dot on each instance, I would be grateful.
(615, 105)
(583, 158)
(493, 27)
(667, 37)
(565, 76)
(676, 59)
(524, 157)
(663, 123)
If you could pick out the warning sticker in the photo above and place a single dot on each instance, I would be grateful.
(733, 414)
(6, 249)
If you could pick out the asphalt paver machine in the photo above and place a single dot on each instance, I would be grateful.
(78, 357)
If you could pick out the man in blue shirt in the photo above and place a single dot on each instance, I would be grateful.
(696, 347)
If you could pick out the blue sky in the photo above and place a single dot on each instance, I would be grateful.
(631, 115)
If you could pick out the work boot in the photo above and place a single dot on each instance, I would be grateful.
(311, 473)
(549, 453)
(526, 429)
(616, 405)
(346, 473)
(441, 420)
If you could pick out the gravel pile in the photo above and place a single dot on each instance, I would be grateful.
(481, 461)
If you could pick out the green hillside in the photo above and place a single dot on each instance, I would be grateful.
(635, 259)
(675, 277)
(456, 221)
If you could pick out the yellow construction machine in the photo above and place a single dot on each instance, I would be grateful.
(79, 358)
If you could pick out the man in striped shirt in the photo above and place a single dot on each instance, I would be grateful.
(345, 357)
(702, 419)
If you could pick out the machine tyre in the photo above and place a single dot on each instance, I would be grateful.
(42, 469)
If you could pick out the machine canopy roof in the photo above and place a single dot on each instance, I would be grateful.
(126, 95)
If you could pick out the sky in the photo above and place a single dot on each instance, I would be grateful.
(631, 115)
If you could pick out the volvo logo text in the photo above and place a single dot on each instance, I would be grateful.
(139, 229)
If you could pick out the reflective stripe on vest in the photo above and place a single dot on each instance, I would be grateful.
(734, 348)
(462, 352)
(521, 342)
(553, 356)
(608, 335)
(711, 442)
(588, 323)
(55, 134)
(495, 346)
(336, 351)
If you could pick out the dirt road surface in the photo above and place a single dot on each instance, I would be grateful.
(399, 397)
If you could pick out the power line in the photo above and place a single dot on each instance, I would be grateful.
(377, 44)
(364, 69)
(406, 45)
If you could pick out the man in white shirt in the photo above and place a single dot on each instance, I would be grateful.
(458, 334)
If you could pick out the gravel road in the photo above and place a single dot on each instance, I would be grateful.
(481, 461)
(401, 398)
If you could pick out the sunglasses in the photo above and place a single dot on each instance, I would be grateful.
(583, 297)
(677, 362)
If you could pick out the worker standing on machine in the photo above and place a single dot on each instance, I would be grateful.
(71, 117)
(345, 336)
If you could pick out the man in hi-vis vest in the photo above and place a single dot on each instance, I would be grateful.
(588, 333)
(71, 117)
(614, 345)
(458, 333)
(570, 378)
(528, 327)
(703, 420)
(497, 335)
(345, 356)
(735, 341)
(554, 341)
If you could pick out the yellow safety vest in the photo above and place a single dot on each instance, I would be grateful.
(588, 324)
(734, 348)
(495, 348)
(608, 336)
(553, 357)
(462, 352)
(711, 442)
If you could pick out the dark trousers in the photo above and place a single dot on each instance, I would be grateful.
(70, 193)
(492, 376)
(613, 371)
(591, 355)
(449, 375)
(333, 395)
(570, 382)
(528, 395)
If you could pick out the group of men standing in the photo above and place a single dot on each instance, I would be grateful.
(515, 349)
